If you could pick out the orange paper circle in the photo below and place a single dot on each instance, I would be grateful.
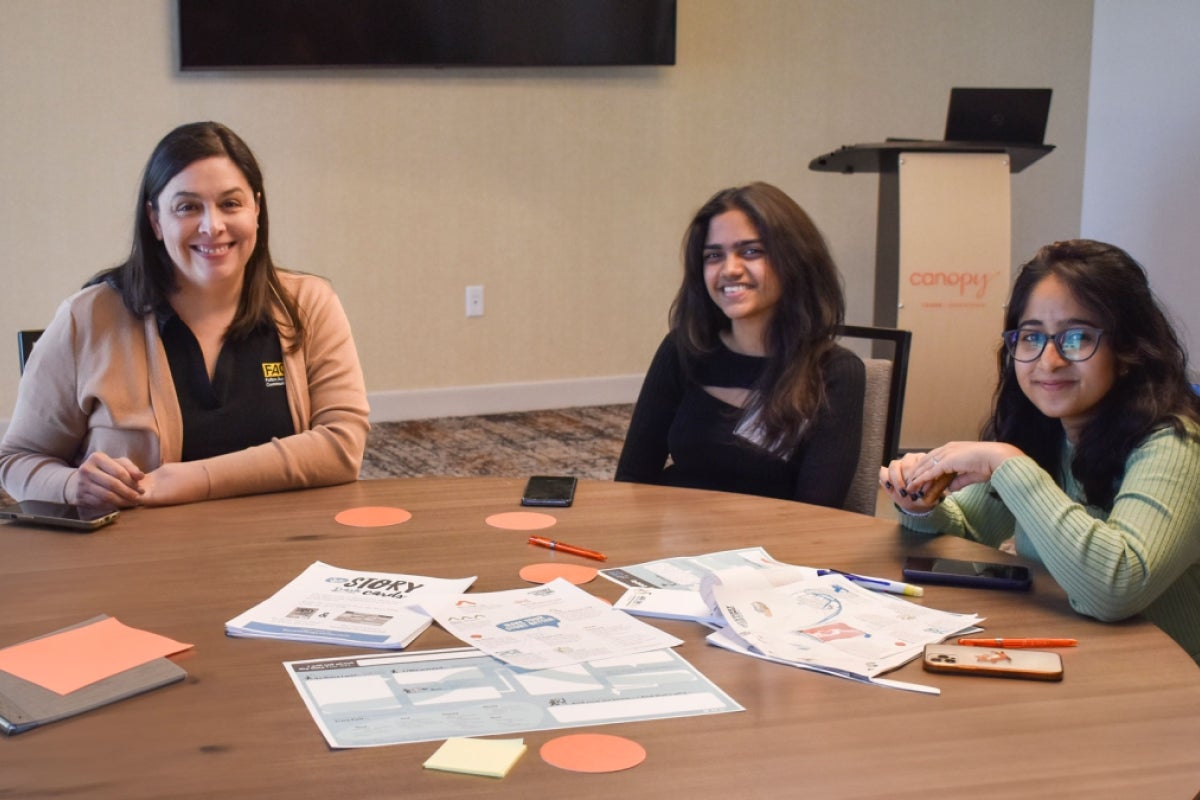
(593, 752)
(521, 521)
(545, 572)
(372, 516)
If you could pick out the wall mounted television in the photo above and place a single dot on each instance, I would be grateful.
(304, 34)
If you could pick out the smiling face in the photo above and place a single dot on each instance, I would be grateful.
(1064, 390)
(207, 218)
(738, 273)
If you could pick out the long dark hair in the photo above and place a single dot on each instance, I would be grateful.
(803, 326)
(1151, 388)
(147, 278)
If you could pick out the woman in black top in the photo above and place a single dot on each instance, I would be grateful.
(749, 392)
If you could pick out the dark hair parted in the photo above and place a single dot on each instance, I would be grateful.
(1151, 388)
(803, 327)
(147, 278)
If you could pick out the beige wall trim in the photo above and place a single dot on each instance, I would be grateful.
(500, 398)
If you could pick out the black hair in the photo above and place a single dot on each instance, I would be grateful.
(803, 327)
(147, 278)
(1151, 389)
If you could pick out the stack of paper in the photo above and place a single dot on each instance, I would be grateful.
(331, 605)
(789, 614)
(76, 669)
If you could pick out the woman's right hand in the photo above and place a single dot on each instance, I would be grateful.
(895, 480)
(918, 481)
(107, 482)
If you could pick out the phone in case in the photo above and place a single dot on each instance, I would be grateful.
(977, 574)
(549, 490)
(81, 519)
(996, 662)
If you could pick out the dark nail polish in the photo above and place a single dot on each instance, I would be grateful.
(889, 486)
(903, 493)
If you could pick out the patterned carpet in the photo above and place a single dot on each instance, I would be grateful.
(584, 442)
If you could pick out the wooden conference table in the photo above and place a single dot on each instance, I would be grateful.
(1125, 722)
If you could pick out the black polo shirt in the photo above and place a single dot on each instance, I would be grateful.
(244, 404)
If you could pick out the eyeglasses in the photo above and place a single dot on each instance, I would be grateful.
(1073, 344)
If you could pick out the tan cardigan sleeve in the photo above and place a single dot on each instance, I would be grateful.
(99, 381)
(86, 388)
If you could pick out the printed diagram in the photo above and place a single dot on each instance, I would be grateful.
(425, 696)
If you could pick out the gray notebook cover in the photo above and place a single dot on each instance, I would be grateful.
(25, 705)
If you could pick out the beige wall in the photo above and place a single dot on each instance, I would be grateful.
(563, 191)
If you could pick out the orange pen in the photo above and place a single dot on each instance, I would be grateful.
(1019, 642)
(567, 548)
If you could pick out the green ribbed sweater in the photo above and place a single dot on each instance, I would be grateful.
(1142, 557)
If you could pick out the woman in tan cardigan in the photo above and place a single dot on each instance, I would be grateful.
(197, 369)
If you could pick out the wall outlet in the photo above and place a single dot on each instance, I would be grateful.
(474, 301)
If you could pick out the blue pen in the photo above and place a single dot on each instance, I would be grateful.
(878, 584)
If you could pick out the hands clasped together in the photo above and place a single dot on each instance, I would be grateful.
(104, 481)
(918, 481)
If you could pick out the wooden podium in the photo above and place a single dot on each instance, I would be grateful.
(943, 266)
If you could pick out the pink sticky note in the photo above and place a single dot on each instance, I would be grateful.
(81, 656)
(521, 520)
(544, 573)
(373, 516)
(593, 752)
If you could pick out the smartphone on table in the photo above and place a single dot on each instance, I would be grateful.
(82, 519)
(549, 490)
(976, 574)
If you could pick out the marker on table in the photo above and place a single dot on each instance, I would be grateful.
(1019, 642)
(878, 584)
(567, 548)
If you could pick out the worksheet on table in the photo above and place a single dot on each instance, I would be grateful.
(388, 698)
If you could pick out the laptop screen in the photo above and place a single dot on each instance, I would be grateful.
(1016, 116)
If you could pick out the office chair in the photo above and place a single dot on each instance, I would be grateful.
(883, 408)
(25, 341)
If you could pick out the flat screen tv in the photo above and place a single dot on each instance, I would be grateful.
(301, 34)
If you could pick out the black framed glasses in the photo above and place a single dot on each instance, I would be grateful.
(1073, 344)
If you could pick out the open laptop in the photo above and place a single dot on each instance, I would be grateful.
(1014, 116)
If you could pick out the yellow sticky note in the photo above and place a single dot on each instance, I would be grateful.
(490, 757)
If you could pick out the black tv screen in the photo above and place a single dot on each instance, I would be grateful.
(291, 34)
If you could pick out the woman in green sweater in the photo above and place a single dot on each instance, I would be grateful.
(1090, 462)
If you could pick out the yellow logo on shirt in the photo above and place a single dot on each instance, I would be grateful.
(273, 373)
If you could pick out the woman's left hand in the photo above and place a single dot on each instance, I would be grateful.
(174, 483)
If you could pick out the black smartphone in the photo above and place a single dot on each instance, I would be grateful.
(978, 574)
(549, 490)
(60, 515)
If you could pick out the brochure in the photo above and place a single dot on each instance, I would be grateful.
(332, 605)
(815, 619)
(684, 573)
(828, 623)
(545, 626)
